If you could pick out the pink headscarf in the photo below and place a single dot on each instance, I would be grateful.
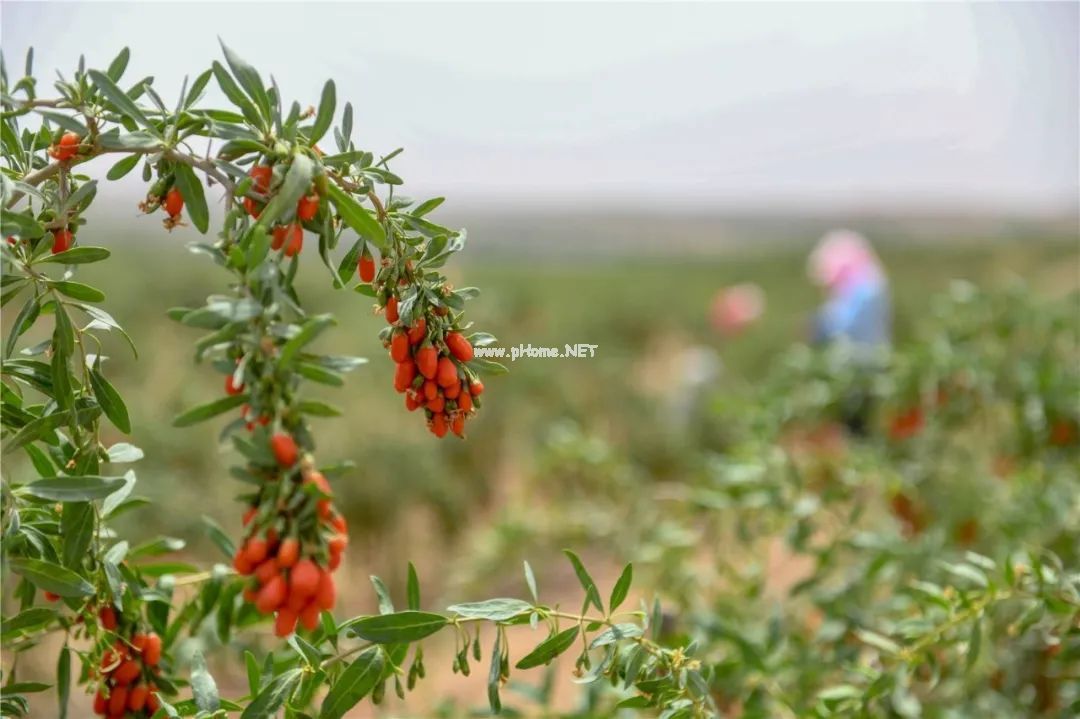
(841, 258)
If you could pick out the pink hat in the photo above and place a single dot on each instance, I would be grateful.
(840, 256)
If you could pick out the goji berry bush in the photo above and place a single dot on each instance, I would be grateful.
(942, 574)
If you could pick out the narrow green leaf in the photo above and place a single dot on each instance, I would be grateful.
(78, 291)
(27, 622)
(51, 577)
(118, 65)
(355, 682)
(621, 588)
(413, 588)
(194, 197)
(550, 648)
(119, 98)
(73, 489)
(327, 105)
(592, 594)
(77, 531)
(63, 680)
(269, 700)
(495, 675)
(206, 411)
(407, 626)
(355, 216)
(249, 79)
(495, 610)
(78, 256)
(112, 404)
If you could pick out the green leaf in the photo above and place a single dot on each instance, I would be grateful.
(308, 332)
(273, 695)
(78, 256)
(51, 577)
(407, 626)
(621, 588)
(878, 641)
(530, 580)
(77, 522)
(119, 98)
(495, 610)
(327, 105)
(27, 622)
(236, 95)
(23, 322)
(73, 489)
(974, 644)
(219, 538)
(550, 648)
(63, 680)
(592, 594)
(413, 588)
(194, 198)
(359, 219)
(495, 675)
(43, 425)
(355, 682)
(249, 79)
(614, 634)
(118, 65)
(20, 225)
(316, 408)
(123, 167)
(203, 688)
(211, 409)
(78, 291)
(112, 404)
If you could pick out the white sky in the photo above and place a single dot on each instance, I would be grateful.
(702, 105)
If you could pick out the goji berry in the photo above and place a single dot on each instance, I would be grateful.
(137, 697)
(446, 374)
(309, 616)
(266, 571)
(127, 672)
(174, 202)
(118, 700)
(404, 375)
(392, 310)
(108, 618)
(304, 579)
(285, 623)
(278, 237)
(399, 347)
(284, 448)
(326, 594)
(256, 550)
(232, 387)
(307, 207)
(476, 388)
(417, 331)
(296, 240)
(427, 361)
(459, 346)
(272, 595)
(66, 147)
(457, 424)
(365, 267)
(62, 240)
(438, 425)
(288, 553)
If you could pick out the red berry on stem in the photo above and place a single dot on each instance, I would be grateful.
(66, 148)
(404, 375)
(278, 238)
(272, 595)
(391, 310)
(62, 240)
(427, 361)
(285, 623)
(296, 240)
(457, 424)
(307, 207)
(284, 448)
(288, 553)
(107, 615)
(446, 374)
(174, 202)
(137, 697)
(464, 401)
(438, 425)
(459, 346)
(476, 388)
(417, 331)
(399, 347)
(304, 579)
(118, 700)
(309, 616)
(365, 267)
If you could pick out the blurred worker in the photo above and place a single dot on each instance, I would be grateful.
(857, 309)
(856, 314)
(737, 307)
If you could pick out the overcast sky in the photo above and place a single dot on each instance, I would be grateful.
(715, 106)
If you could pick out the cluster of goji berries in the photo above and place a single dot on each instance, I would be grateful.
(128, 671)
(287, 237)
(294, 543)
(431, 371)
